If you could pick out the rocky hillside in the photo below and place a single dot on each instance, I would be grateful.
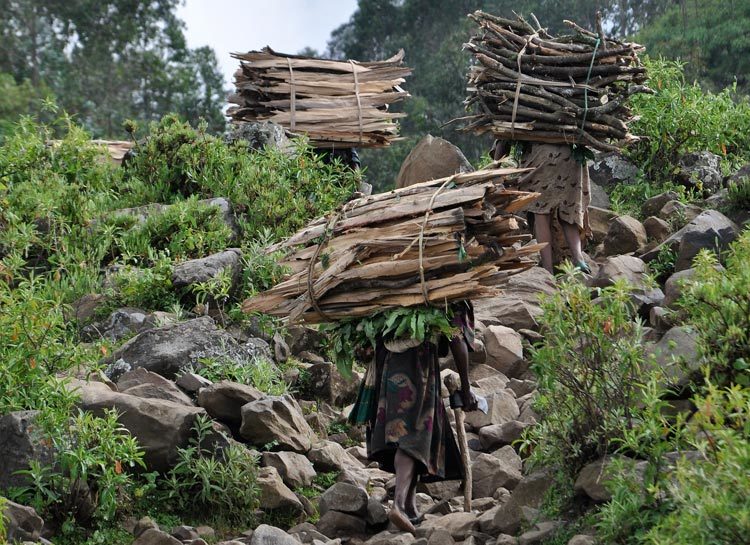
(141, 407)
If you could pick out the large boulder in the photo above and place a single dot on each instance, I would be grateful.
(142, 383)
(676, 355)
(594, 477)
(609, 170)
(276, 420)
(274, 494)
(677, 213)
(344, 497)
(530, 492)
(21, 442)
(504, 349)
(653, 205)
(502, 408)
(635, 272)
(657, 230)
(599, 220)
(122, 323)
(196, 271)
(161, 427)
(499, 435)
(430, 159)
(329, 456)
(490, 473)
(711, 230)
(700, 171)
(22, 524)
(295, 469)
(336, 524)
(324, 381)
(518, 307)
(258, 135)
(625, 235)
(224, 400)
(460, 525)
(172, 348)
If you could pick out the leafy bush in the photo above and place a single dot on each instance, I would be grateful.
(222, 484)
(92, 458)
(738, 192)
(697, 120)
(588, 369)
(258, 373)
(147, 289)
(717, 304)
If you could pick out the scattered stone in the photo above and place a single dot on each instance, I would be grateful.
(85, 308)
(161, 427)
(592, 479)
(653, 205)
(657, 229)
(504, 349)
(677, 214)
(700, 170)
(304, 339)
(612, 169)
(441, 490)
(270, 535)
(510, 458)
(626, 234)
(185, 533)
(21, 442)
(21, 522)
(327, 383)
(676, 354)
(459, 525)
(196, 271)
(388, 538)
(502, 408)
(295, 469)
(344, 497)
(499, 435)
(521, 387)
(431, 158)
(599, 197)
(143, 524)
(122, 323)
(142, 383)
(191, 382)
(306, 533)
(490, 473)
(673, 287)
(599, 220)
(337, 524)
(169, 349)
(661, 318)
(274, 494)
(528, 493)
(224, 400)
(540, 534)
(635, 272)
(154, 536)
(376, 514)
(582, 539)
(276, 419)
(491, 385)
(206, 532)
(329, 456)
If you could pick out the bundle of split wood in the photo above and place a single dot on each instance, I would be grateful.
(335, 103)
(528, 85)
(433, 243)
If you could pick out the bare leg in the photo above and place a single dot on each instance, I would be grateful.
(411, 499)
(573, 238)
(543, 233)
(405, 475)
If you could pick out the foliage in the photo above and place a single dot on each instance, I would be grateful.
(106, 61)
(418, 322)
(258, 373)
(16, 99)
(698, 120)
(709, 36)
(270, 189)
(147, 289)
(92, 459)
(738, 192)
(588, 370)
(663, 266)
(717, 305)
(3, 531)
(221, 483)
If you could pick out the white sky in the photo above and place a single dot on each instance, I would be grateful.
(244, 25)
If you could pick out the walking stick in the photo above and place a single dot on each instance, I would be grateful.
(452, 383)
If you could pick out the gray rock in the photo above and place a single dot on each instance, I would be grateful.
(337, 524)
(540, 534)
(122, 323)
(490, 473)
(21, 442)
(582, 539)
(504, 349)
(499, 435)
(676, 355)
(304, 339)
(295, 469)
(329, 456)
(635, 272)
(502, 408)
(653, 205)
(459, 525)
(389, 538)
(661, 319)
(674, 286)
(154, 536)
(599, 220)
(258, 135)
(85, 308)
(276, 419)
(701, 171)
(196, 271)
(344, 497)
(625, 235)
(191, 382)
(657, 229)
(161, 427)
(599, 197)
(528, 493)
(521, 387)
(142, 383)
(612, 169)
(677, 214)
(711, 230)
(376, 513)
(224, 400)
(327, 383)
(21, 523)
(270, 535)
(593, 478)
(306, 532)
(170, 349)
(185, 533)
(431, 158)
(274, 494)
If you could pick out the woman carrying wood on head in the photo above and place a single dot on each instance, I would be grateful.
(563, 181)
(400, 402)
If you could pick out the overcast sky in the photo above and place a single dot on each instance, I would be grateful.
(244, 25)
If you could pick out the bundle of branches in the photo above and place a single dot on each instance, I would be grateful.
(335, 103)
(528, 85)
(433, 243)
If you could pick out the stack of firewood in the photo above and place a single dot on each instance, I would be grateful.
(528, 85)
(433, 243)
(335, 103)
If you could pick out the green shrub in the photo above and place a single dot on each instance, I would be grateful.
(681, 117)
(258, 373)
(717, 305)
(91, 476)
(3, 531)
(739, 193)
(663, 266)
(588, 368)
(221, 484)
(147, 289)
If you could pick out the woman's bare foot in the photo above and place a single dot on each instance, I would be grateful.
(401, 521)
